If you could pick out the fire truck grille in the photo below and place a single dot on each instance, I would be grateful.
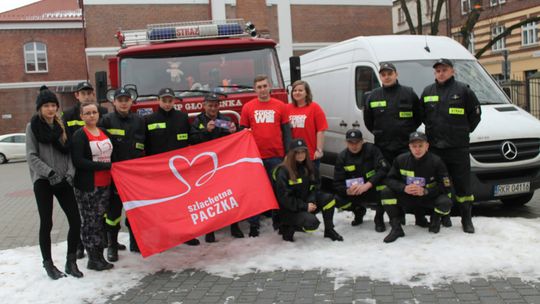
(504, 151)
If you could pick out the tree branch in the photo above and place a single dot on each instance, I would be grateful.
(405, 10)
(437, 17)
(419, 16)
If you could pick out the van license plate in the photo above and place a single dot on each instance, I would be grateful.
(506, 189)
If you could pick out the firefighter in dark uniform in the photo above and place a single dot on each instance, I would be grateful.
(358, 175)
(297, 191)
(211, 124)
(451, 112)
(391, 113)
(127, 134)
(418, 182)
(167, 129)
(72, 122)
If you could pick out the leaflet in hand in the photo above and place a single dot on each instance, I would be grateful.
(354, 181)
(420, 181)
(224, 124)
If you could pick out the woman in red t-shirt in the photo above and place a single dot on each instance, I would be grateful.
(91, 154)
(307, 120)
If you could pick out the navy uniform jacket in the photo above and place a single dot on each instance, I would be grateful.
(166, 131)
(126, 134)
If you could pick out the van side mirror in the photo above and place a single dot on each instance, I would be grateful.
(294, 64)
(508, 92)
(101, 86)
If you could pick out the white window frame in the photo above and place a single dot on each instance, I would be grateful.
(496, 2)
(465, 6)
(401, 16)
(529, 34)
(471, 47)
(501, 44)
(34, 53)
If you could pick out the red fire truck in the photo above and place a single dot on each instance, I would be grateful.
(195, 59)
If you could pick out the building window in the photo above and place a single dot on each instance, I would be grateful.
(529, 34)
(465, 6)
(471, 43)
(496, 2)
(501, 43)
(35, 57)
(401, 16)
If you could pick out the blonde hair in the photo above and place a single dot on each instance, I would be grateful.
(59, 121)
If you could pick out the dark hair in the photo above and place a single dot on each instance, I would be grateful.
(309, 96)
(290, 163)
(258, 78)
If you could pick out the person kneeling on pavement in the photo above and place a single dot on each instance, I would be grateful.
(297, 191)
(417, 182)
(358, 175)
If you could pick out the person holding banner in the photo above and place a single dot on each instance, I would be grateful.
(91, 154)
(269, 123)
(127, 135)
(297, 191)
(211, 124)
(51, 171)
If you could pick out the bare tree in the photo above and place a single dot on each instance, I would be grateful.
(434, 20)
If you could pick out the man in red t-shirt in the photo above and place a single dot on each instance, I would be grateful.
(269, 123)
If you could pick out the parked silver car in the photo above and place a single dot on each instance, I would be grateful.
(12, 147)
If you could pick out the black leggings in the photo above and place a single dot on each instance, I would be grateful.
(44, 197)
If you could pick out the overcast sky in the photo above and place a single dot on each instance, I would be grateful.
(11, 4)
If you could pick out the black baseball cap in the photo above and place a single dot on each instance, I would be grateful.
(297, 143)
(387, 66)
(85, 85)
(211, 97)
(445, 61)
(166, 92)
(353, 135)
(416, 136)
(121, 92)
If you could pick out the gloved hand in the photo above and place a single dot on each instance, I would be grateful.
(55, 179)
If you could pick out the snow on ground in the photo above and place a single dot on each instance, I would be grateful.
(501, 247)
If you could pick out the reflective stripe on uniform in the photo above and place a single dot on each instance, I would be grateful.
(312, 187)
(392, 201)
(378, 104)
(349, 168)
(113, 222)
(380, 188)
(433, 98)
(274, 173)
(467, 198)
(431, 185)
(308, 230)
(201, 126)
(456, 111)
(118, 132)
(405, 114)
(139, 146)
(406, 172)
(441, 212)
(346, 206)
(157, 125)
(72, 123)
(330, 205)
(296, 182)
(370, 173)
(182, 136)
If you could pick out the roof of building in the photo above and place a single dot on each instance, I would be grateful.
(45, 10)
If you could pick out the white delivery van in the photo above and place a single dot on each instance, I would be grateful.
(505, 147)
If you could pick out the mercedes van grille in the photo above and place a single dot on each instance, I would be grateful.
(503, 151)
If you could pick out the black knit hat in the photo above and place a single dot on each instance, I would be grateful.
(45, 96)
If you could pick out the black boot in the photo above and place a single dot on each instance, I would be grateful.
(112, 249)
(466, 217)
(133, 247)
(96, 261)
(446, 221)
(52, 271)
(379, 219)
(193, 242)
(435, 225)
(396, 231)
(236, 232)
(80, 251)
(359, 213)
(253, 231)
(287, 233)
(210, 237)
(71, 266)
(328, 219)
(420, 218)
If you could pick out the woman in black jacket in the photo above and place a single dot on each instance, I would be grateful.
(91, 154)
(298, 194)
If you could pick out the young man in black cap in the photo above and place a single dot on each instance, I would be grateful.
(211, 124)
(167, 129)
(127, 135)
(358, 173)
(72, 122)
(451, 111)
(418, 181)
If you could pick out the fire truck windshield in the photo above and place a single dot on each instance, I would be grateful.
(228, 73)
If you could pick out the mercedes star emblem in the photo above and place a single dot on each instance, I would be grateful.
(509, 150)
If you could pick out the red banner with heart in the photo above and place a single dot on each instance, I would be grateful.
(173, 197)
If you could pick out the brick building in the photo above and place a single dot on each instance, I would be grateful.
(42, 43)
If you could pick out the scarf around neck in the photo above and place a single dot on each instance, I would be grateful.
(46, 134)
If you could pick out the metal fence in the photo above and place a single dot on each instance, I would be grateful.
(525, 93)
